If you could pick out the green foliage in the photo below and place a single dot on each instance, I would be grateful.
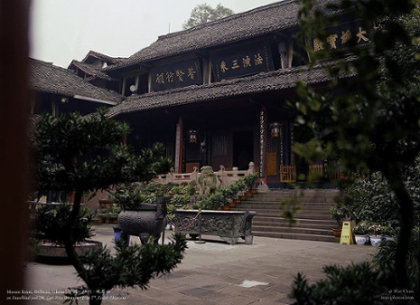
(75, 153)
(204, 13)
(289, 208)
(367, 115)
(129, 197)
(111, 214)
(81, 154)
(337, 214)
(52, 221)
(354, 284)
(219, 198)
(384, 261)
(131, 266)
(132, 196)
(250, 181)
(377, 123)
(371, 199)
(365, 227)
(364, 283)
(362, 228)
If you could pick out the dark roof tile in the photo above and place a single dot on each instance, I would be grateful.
(257, 22)
(90, 69)
(46, 77)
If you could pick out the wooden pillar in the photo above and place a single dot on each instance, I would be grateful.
(263, 144)
(149, 82)
(292, 142)
(179, 143)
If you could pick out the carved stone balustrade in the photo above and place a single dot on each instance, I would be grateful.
(224, 177)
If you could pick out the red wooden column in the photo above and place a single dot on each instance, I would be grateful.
(263, 144)
(179, 143)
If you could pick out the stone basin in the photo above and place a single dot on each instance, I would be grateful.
(228, 225)
(48, 252)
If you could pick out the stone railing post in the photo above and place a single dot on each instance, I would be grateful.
(251, 168)
(170, 176)
(194, 175)
(220, 176)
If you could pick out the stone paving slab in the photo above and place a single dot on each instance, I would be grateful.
(212, 273)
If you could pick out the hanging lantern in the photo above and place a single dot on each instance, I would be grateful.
(192, 135)
(275, 129)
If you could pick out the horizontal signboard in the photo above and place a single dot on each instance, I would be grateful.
(242, 61)
(177, 75)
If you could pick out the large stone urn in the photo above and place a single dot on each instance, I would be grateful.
(148, 220)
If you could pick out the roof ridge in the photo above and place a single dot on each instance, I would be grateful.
(231, 17)
(45, 63)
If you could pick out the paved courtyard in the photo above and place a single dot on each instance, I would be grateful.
(211, 273)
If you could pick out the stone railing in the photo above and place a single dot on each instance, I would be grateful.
(224, 177)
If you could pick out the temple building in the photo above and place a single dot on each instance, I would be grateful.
(217, 94)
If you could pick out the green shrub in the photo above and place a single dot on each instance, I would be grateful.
(129, 197)
(354, 284)
(53, 220)
(250, 181)
(384, 261)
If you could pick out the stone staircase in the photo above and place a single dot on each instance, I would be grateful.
(314, 219)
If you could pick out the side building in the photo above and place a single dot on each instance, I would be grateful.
(57, 90)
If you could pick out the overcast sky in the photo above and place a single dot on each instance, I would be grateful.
(63, 30)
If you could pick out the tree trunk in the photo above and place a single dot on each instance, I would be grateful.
(70, 244)
(395, 180)
(95, 298)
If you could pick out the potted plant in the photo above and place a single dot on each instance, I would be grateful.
(338, 214)
(361, 233)
(228, 194)
(388, 232)
(250, 183)
(380, 233)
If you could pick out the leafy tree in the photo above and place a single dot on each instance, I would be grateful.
(371, 121)
(79, 154)
(371, 198)
(204, 13)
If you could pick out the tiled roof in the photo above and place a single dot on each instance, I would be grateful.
(90, 69)
(257, 22)
(262, 82)
(46, 77)
(103, 57)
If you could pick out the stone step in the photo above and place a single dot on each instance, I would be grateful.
(278, 200)
(265, 205)
(302, 223)
(257, 198)
(277, 219)
(298, 193)
(314, 219)
(264, 228)
(312, 237)
(278, 213)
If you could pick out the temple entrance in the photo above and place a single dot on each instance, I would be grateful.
(243, 149)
